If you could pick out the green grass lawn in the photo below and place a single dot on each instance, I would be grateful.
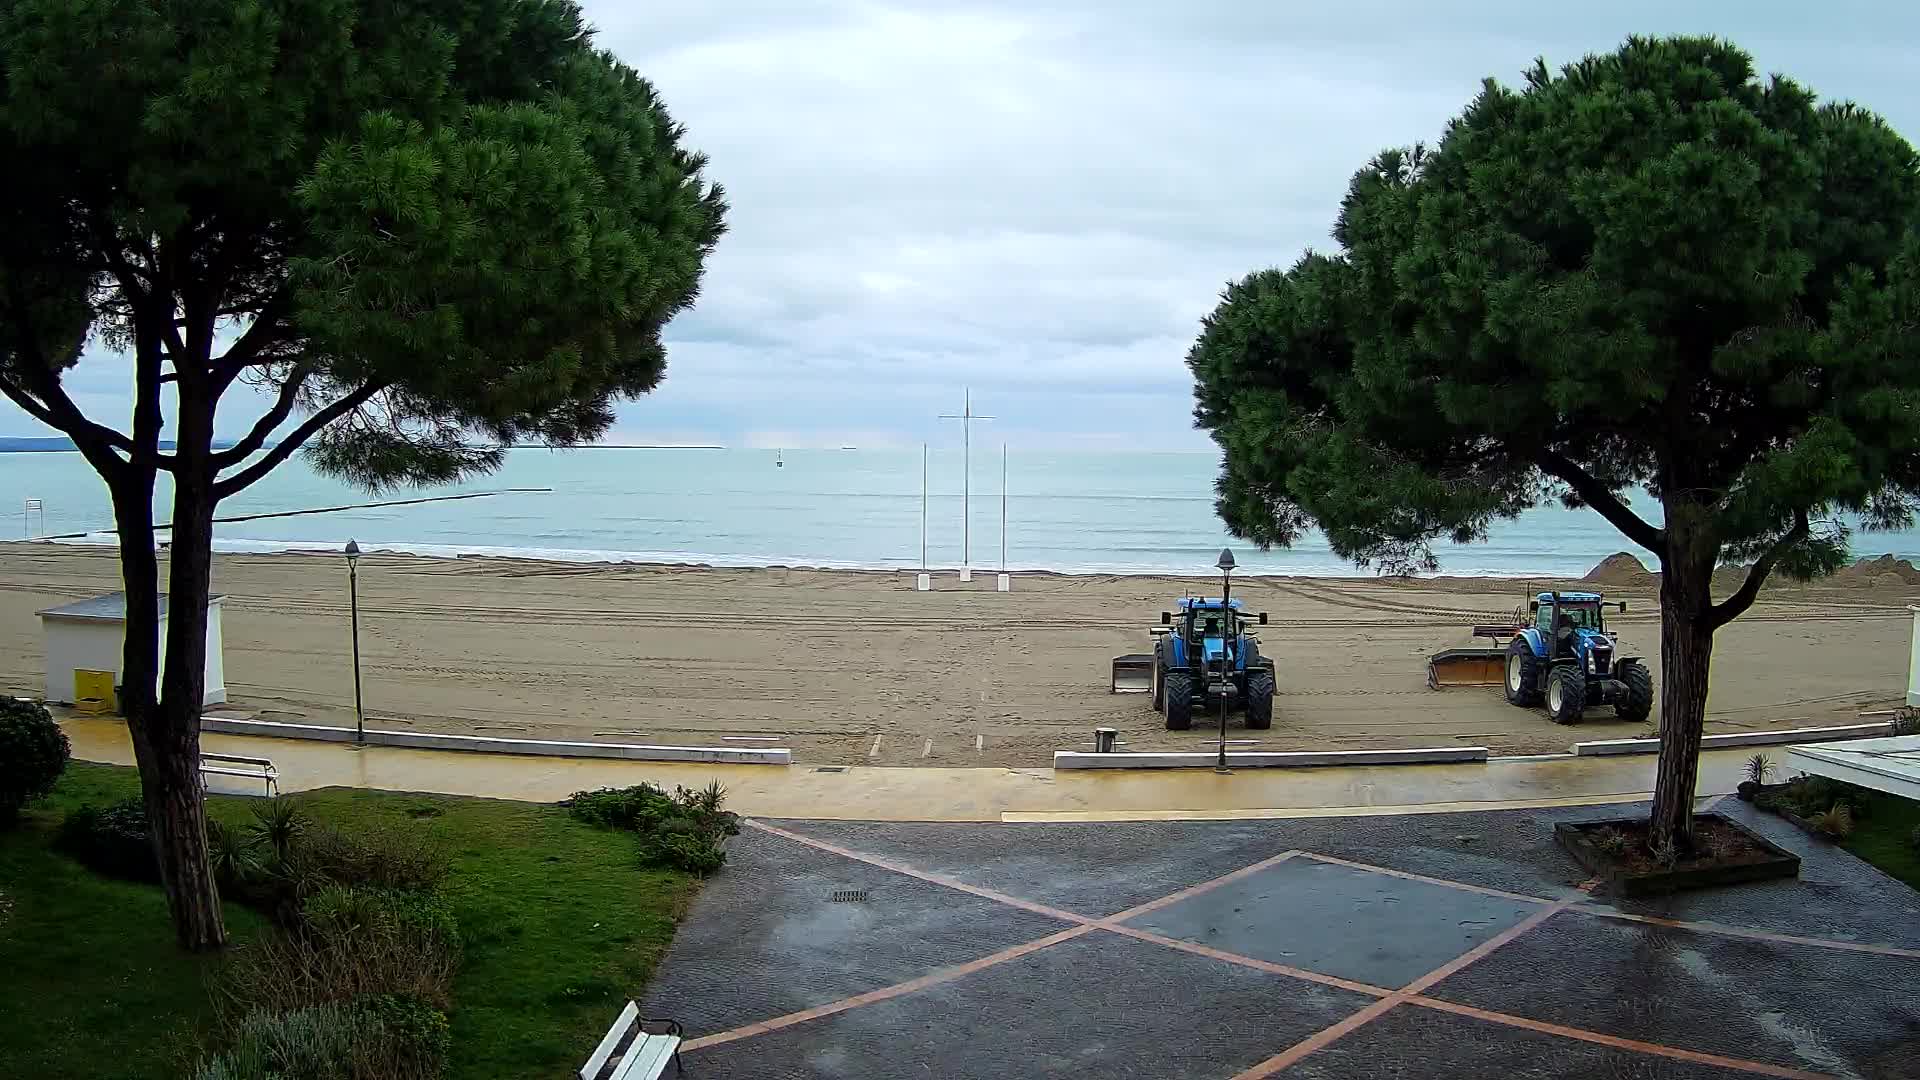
(1884, 837)
(561, 927)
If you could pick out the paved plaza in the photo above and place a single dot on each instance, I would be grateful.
(1434, 945)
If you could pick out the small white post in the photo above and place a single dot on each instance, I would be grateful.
(923, 582)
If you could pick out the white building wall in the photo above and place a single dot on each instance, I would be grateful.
(95, 645)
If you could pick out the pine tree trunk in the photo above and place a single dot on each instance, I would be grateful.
(1686, 655)
(176, 812)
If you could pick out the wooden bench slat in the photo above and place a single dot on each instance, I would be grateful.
(628, 1017)
(647, 1058)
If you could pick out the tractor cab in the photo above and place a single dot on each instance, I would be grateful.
(1209, 631)
(1572, 623)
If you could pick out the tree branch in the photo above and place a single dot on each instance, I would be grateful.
(264, 427)
(1736, 605)
(243, 479)
(264, 331)
(1591, 492)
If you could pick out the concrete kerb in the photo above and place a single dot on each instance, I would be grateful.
(420, 740)
(1254, 759)
(1607, 747)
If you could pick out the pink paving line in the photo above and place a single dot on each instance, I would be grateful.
(1195, 890)
(1742, 932)
(1327, 1036)
(1461, 885)
(923, 875)
(1616, 1041)
(1248, 961)
(944, 975)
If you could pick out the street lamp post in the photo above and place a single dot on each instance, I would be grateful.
(1225, 564)
(353, 592)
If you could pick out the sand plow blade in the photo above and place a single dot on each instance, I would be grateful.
(1466, 667)
(1132, 674)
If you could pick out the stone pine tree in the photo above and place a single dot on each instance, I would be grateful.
(406, 232)
(1651, 270)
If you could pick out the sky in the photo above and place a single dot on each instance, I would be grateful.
(1040, 199)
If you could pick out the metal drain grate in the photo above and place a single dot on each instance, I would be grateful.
(850, 896)
(830, 768)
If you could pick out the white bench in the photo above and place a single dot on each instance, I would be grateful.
(251, 768)
(630, 1052)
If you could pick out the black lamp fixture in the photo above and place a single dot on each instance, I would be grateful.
(353, 592)
(1226, 565)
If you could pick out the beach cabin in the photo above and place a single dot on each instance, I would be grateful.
(83, 639)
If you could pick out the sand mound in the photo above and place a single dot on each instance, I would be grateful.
(1883, 572)
(1619, 570)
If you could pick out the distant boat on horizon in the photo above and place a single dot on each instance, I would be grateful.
(779, 461)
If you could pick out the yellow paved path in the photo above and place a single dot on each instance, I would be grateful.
(981, 794)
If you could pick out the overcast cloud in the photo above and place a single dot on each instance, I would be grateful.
(1040, 199)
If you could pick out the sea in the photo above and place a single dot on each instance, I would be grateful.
(1073, 512)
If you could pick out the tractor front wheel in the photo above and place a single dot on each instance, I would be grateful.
(1260, 699)
(1639, 700)
(1523, 674)
(1178, 688)
(1566, 694)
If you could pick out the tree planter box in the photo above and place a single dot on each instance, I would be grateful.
(1761, 859)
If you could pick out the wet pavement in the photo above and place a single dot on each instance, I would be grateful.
(1437, 945)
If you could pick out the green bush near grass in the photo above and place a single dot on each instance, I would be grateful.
(687, 830)
(33, 754)
(557, 929)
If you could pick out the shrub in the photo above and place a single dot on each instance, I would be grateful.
(348, 943)
(687, 830)
(276, 824)
(384, 858)
(1758, 767)
(1905, 722)
(1913, 838)
(1608, 841)
(236, 860)
(383, 1036)
(113, 841)
(639, 808)
(1835, 822)
(33, 754)
(697, 853)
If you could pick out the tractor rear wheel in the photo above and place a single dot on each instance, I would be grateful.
(1566, 694)
(1260, 699)
(1178, 688)
(1639, 702)
(1523, 674)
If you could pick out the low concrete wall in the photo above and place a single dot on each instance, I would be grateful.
(1605, 747)
(1256, 759)
(421, 740)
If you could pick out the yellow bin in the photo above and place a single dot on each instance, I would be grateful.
(93, 693)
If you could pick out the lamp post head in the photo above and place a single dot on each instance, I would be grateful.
(353, 551)
(1226, 562)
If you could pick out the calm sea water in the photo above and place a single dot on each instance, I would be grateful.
(1089, 512)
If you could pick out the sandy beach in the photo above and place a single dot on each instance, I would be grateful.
(857, 667)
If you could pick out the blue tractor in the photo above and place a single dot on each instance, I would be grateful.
(1202, 654)
(1566, 658)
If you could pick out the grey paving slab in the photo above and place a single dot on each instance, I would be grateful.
(1837, 896)
(1096, 1006)
(1421, 1044)
(765, 938)
(1824, 1010)
(1356, 924)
